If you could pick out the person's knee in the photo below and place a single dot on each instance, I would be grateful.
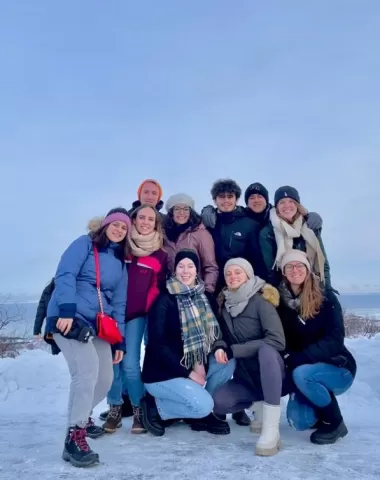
(267, 354)
(203, 406)
(300, 415)
(131, 365)
(301, 374)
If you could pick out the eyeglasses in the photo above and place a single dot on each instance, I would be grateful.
(297, 266)
(182, 209)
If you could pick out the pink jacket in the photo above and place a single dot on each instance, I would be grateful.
(201, 241)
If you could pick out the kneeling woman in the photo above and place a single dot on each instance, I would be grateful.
(178, 364)
(72, 319)
(321, 365)
(253, 335)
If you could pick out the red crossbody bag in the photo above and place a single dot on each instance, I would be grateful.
(107, 327)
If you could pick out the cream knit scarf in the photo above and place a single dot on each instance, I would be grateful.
(143, 245)
(285, 234)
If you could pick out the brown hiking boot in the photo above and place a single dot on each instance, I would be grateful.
(137, 425)
(113, 421)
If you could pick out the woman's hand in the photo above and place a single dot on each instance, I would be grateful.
(199, 370)
(64, 325)
(119, 354)
(221, 356)
(197, 378)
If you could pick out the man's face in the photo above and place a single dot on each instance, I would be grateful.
(149, 194)
(226, 202)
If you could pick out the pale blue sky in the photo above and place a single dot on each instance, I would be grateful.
(95, 96)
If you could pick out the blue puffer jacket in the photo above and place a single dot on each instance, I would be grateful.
(75, 294)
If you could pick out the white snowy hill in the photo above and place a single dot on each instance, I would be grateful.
(33, 396)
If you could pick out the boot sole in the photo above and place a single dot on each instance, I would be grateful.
(139, 432)
(112, 430)
(268, 452)
(323, 441)
(149, 428)
(85, 464)
(94, 437)
(214, 431)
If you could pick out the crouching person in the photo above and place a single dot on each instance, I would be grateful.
(253, 336)
(91, 260)
(321, 366)
(178, 362)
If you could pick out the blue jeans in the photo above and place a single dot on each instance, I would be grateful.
(127, 373)
(184, 398)
(315, 382)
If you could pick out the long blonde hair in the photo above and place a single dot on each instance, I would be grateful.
(311, 296)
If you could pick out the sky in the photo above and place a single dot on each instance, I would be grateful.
(96, 96)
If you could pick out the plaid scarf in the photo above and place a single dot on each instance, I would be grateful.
(199, 326)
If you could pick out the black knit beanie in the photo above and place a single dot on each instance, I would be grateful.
(187, 253)
(256, 188)
(286, 192)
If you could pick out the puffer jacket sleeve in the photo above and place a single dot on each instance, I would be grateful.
(206, 251)
(327, 265)
(68, 269)
(268, 249)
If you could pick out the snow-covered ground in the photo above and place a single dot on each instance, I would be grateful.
(33, 396)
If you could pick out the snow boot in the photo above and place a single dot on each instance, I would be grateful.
(151, 419)
(257, 422)
(137, 425)
(241, 418)
(126, 410)
(92, 430)
(76, 449)
(269, 442)
(331, 426)
(113, 421)
(212, 424)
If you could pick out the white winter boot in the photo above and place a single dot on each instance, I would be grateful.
(269, 442)
(257, 422)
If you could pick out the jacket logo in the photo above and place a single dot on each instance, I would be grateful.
(238, 234)
(285, 194)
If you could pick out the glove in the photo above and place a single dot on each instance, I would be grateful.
(314, 221)
(208, 215)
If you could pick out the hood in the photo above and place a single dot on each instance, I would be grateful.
(271, 294)
(94, 224)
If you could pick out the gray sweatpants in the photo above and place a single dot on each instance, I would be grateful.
(91, 370)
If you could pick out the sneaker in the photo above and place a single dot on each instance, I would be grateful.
(113, 421)
(212, 424)
(151, 418)
(137, 424)
(76, 449)
(92, 430)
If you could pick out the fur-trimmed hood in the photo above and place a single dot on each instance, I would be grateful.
(94, 224)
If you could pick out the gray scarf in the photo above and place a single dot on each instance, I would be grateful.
(237, 300)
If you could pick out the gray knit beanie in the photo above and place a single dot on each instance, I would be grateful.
(179, 199)
(242, 263)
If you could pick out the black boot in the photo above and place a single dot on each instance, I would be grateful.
(127, 409)
(77, 450)
(241, 418)
(332, 426)
(92, 430)
(212, 424)
(151, 419)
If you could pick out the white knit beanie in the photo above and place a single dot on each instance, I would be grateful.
(295, 255)
(242, 263)
(179, 199)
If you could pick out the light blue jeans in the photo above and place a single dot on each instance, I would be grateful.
(127, 373)
(315, 382)
(184, 398)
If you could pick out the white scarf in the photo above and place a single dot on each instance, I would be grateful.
(285, 233)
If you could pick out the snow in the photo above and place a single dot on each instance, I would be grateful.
(33, 397)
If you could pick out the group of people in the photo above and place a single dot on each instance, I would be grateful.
(235, 307)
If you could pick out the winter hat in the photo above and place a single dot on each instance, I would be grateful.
(225, 186)
(256, 188)
(180, 199)
(116, 215)
(286, 192)
(139, 190)
(242, 263)
(295, 256)
(187, 253)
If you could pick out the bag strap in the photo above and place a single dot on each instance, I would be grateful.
(97, 271)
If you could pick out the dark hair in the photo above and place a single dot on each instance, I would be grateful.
(225, 186)
(101, 240)
(157, 225)
(194, 220)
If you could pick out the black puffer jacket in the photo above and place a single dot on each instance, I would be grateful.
(319, 339)
(236, 235)
(42, 308)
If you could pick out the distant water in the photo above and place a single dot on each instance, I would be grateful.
(359, 304)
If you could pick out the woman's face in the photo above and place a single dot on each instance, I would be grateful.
(295, 273)
(145, 221)
(181, 214)
(235, 277)
(287, 208)
(116, 231)
(186, 272)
